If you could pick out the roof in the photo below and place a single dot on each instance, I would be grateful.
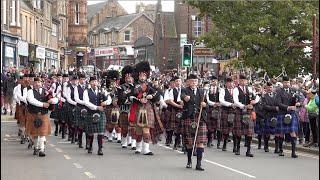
(26, 5)
(94, 8)
(168, 24)
(118, 22)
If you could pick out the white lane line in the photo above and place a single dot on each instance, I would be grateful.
(90, 175)
(58, 149)
(180, 152)
(7, 135)
(5, 139)
(217, 164)
(64, 142)
(67, 157)
(9, 121)
(77, 165)
(52, 145)
(231, 169)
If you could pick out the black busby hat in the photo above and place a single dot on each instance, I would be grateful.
(285, 78)
(241, 76)
(113, 75)
(144, 67)
(92, 78)
(74, 77)
(65, 75)
(126, 70)
(213, 78)
(59, 74)
(26, 75)
(269, 83)
(37, 79)
(174, 78)
(32, 75)
(229, 80)
(192, 76)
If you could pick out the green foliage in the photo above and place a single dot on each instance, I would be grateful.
(261, 31)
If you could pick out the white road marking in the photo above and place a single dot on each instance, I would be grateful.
(90, 175)
(52, 145)
(64, 142)
(7, 135)
(5, 139)
(9, 121)
(231, 169)
(67, 157)
(58, 149)
(77, 165)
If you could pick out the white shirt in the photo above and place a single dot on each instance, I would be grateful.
(221, 98)
(25, 94)
(236, 97)
(169, 95)
(32, 100)
(58, 94)
(15, 93)
(68, 95)
(162, 103)
(91, 106)
(77, 98)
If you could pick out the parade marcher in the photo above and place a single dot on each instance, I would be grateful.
(227, 112)
(71, 107)
(95, 119)
(127, 89)
(258, 109)
(80, 117)
(214, 110)
(18, 110)
(29, 86)
(38, 104)
(55, 86)
(288, 120)
(8, 86)
(63, 115)
(112, 110)
(142, 117)
(270, 109)
(243, 124)
(193, 101)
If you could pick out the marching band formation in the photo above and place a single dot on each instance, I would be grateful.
(135, 109)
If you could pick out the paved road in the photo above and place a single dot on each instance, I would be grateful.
(66, 161)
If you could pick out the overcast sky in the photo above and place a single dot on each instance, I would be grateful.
(130, 5)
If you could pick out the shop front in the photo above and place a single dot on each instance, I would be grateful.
(9, 50)
(23, 52)
(51, 60)
(121, 55)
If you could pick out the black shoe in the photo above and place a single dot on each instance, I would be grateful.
(5, 112)
(80, 145)
(76, 140)
(276, 151)
(55, 133)
(124, 147)
(237, 152)
(109, 140)
(259, 146)
(119, 141)
(11, 113)
(42, 154)
(199, 168)
(19, 132)
(87, 146)
(189, 165)
(72, 141)
(281, 153)
(248, 154)
(134, 148)
(266, 150)
(35, 151)
(175, 148)
(167, 144)
(100, 152)
(63, 137)
(30, 145)
(149, 154)
(69, 138)
(129, 145)
(294, 155)
(90, 150)
(137, 152)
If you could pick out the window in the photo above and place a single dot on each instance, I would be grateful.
(37, 31)
(25, 26)
(197, 29)
(60, 29)
(54, 30)
(127, 35)
(77, 14)
(101, 38)
(48, 16)
(13, 13)
(30, 39)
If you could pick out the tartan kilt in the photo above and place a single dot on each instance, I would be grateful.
(44, 129)
(17, 111)
(98, 127)
(258, 128)
(248, 129)
(292, 127)
(225, 128)
(267, 129)
(202, 132)
(150, 116)
(123, 120)
(169, 119)
(63, 113)
(237, 125)
(55, 113)
(157, 130)
(213, 123)
(79, 120)
(71, 119)
(22, 115)
(28, 121)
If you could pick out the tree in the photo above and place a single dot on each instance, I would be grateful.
(263, 31)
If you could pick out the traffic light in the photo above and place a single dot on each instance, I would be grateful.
(187, 55)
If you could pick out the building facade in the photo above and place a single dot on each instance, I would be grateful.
(77, 32)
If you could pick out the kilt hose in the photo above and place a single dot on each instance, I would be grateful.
(283, 128)
(267, 128)
(226, 127)
(98, 127)
(124, 123)
(44, 129)
(189, 136)
(213, 123)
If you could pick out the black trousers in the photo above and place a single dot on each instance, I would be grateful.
(306, 131)
(314, 128)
